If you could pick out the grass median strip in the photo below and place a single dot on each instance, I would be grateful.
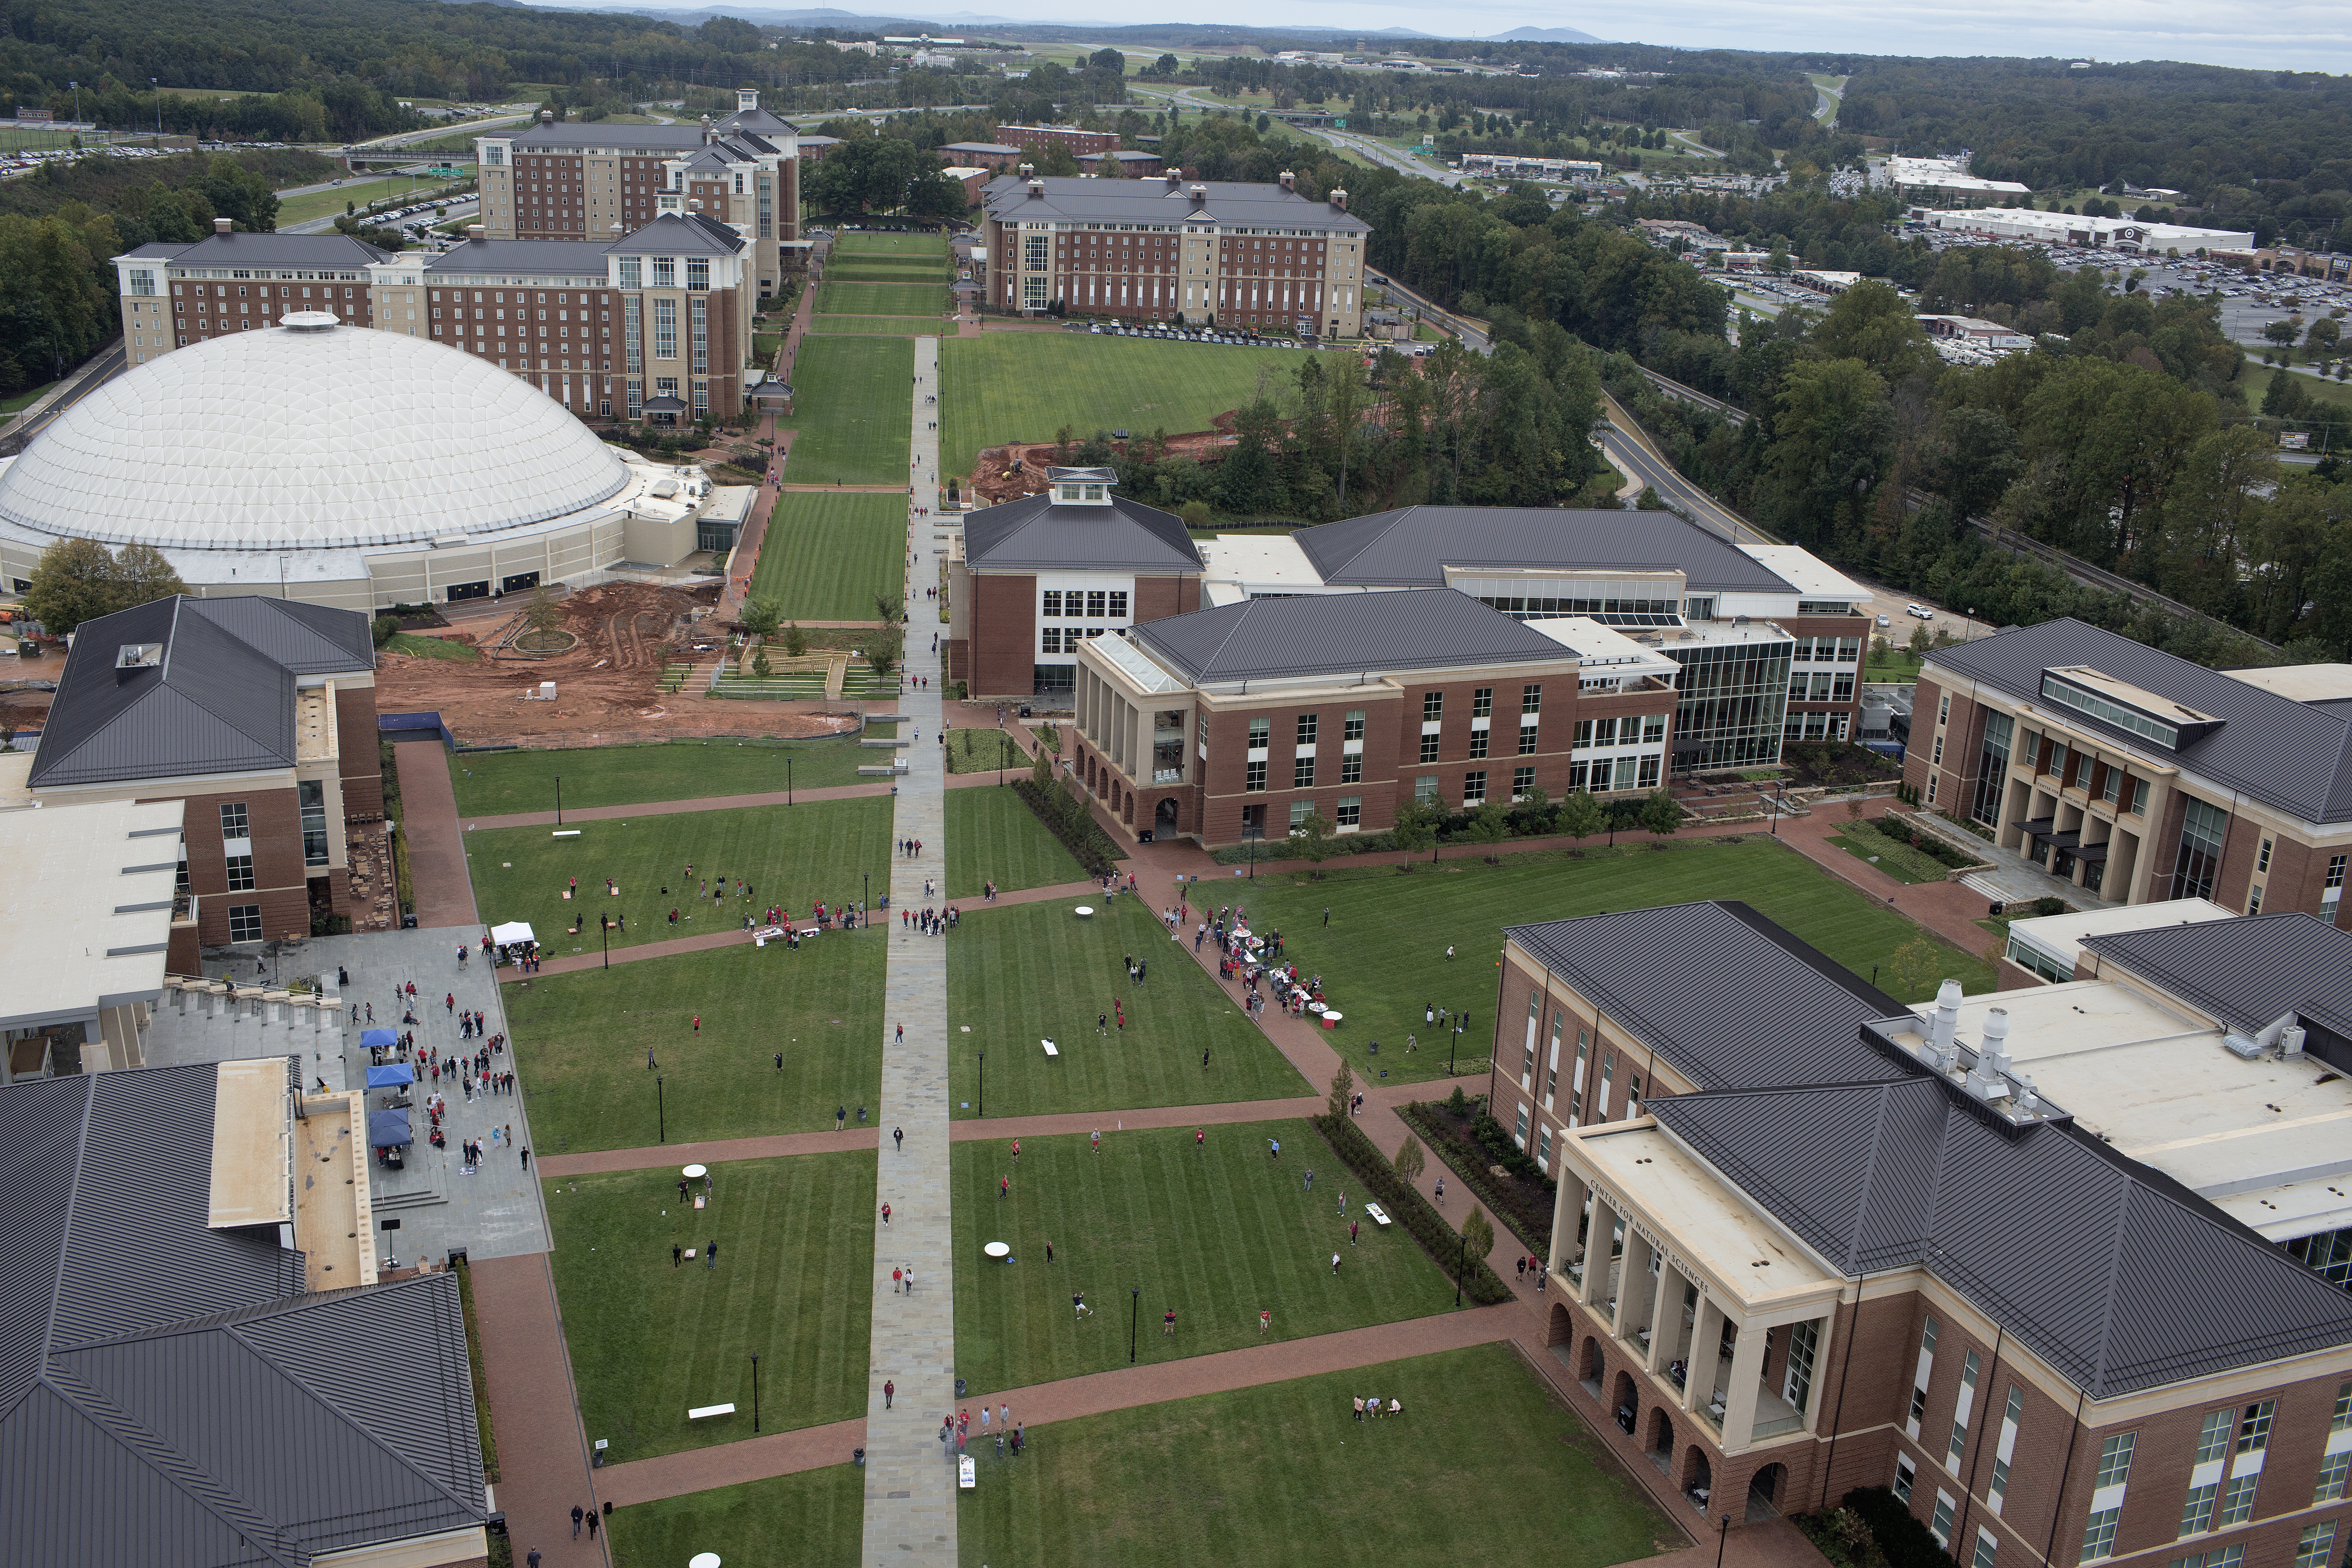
(816, 1518)
(856, 408)
(493, 784)
(992, 835)
(825, 557)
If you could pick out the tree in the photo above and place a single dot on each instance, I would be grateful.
(1916, 969)
(1920, 640)
(882, 650)
(2280, 333)
(1489, 825)
(1659, 815)
(79, 580)
(1479, 1231)
(2324, 334)
(1343, 1086)
(1415, 829)
(760, 666)
(1872, 323)
(1314, 841)
(543, 614)
(889, 607)
(760, 617)
(1409, 1161)
(937, 196)
(1056, 159)
(795, 640)
(1581, 816)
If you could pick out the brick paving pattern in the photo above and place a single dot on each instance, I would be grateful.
(437, 879)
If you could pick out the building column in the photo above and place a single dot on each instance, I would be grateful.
(1567, 1213)
(1666, 1316)
(1698, 1378)
(1595, 1293)
(1633, 1305)
(1747, 1378)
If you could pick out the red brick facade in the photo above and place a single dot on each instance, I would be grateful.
(1038, 138)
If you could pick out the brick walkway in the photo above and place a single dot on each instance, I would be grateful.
(683, 807)
(534, 1409)
(438, 881)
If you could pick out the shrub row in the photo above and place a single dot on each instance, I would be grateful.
(1893, 827)
(1407, 1208)
(1066, 816)
(1907, 1543)
(1532, 1228)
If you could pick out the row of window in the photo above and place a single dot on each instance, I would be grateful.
(1819, 685)
(1093, 604)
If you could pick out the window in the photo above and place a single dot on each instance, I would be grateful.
(2342, 1420)
(2099, 1533)
(1351, 811)
(1531, 700)
(1424, 787)
(2318, 1543)
(665, 329)
(1522, 1135)
(1300, 810)
(1254, 777)
(2332, 1471)
(1526, 736)
(1474, 787)
(1482, 702)
(1432, 707)
(2139, 797)
(1429, 748)
(1478, 744)
(1906, 1474)
(1543, 1147)
(2197, 1509)
(1940, 1526)
(1302, 772)
(1050, 640)
(2213, 1437)
(2237, 1501)
(1258, 731)
(2332, 894)
(2202, 828)
(2254, 901)
(1352, 768)
(1969, 1370)
(698, 273)
(1919, 1379)
(1052, 604)
(1096, 605)
(233, 820)
(1992, 769)
(1308, 724)
(1522, 780)
(2116, 1459)
(2254, 1427)
(1797, 1379)
(1653, 729)
(1648, 777)
(2219, 1557)
(1986, 1548)
(1118, 596)
(245, 922)
(313, 793)
(665, 272)
(240, 873)
(2006, 1449)
(2263, 858)
(1352, 727)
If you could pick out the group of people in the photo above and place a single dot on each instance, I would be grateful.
(955, 1431)
(1370, 1409)
(929, 922)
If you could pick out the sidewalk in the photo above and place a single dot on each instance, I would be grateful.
(682, 807)
(542, 1452)
(438, 879)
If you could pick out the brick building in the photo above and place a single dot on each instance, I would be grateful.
(1002, 157)
(1128, 166)
(260, 714)
(1035, 139)
(607, 328)
(1230, 255)
(1242, 721)
(593, 181)
(2139, 777)
(1032, 579)
(174, 295)
(1941, 1249)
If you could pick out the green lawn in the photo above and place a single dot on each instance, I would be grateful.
(1896, 665)
(1024, 386)
(856, 402)
(875, 326)
(649, 1340)
(1219, 1232)
(24, 399)
(330, 202)
(1383, 959)
(1018, 973)
(1898, 860)
(492, 784)
(825, 557)
(885, 269)
(863, 244)
(794, 856)
(1245, 1480)
(993, 836)
(583, 1038)
(417, 647)
(911, 297)
(2256, 380)
(982, 751)
(814, 1519)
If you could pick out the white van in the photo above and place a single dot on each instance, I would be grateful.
(1921, 611)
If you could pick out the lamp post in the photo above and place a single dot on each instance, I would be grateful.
(983, 1083)
(1003, 755)
(788, 781)
(559, 800)
(604, 931)
(1134, 1316)
(755, 1391)
(661, 1112)
(867, 903)
(1461, 1262)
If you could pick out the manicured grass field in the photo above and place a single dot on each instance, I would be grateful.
(911, 297)
(1383, 958)
(583, 1038)
(993, 836)
(794, 856)
(492, 784)
(1898, 860)
(981, 752)
(1219, 1232)
(815, 1519)
(856, 402)
(887, 269)
(417, 647)
(867, 244)
(1035, 970)
(1024, 386)
(323, 203)
(1245, 1479)
(649, 1340)
(875, 326)
(825, 557)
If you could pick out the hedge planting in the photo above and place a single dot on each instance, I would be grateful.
(1407, 1208)
(1907, 1543)
(1066, 816)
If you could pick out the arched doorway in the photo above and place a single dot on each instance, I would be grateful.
(1621, 1402)
(1558, 1327)
(1698, 1476)
(1164, 818)
(1764, 1492)
(1661, 1445)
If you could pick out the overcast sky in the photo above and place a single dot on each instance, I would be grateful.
(2294, 35)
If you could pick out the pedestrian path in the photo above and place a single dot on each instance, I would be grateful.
(543, 1470)
(439, 884)
(910, 1489)
(680, 807)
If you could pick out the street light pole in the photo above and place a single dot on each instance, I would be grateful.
(1461, 1263)
(755, 1391)
(865, 905)
(1134, 1316)
(604, 931)
(154, 83)
(559, 800)
(788, 781)
(983, 1083)
(661, 1112)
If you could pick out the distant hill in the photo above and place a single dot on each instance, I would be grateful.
(1545, 36)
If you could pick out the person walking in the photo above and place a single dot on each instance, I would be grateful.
(532, 1561)
(910, 1279)
(1003, 1186)
(1310, 1178)
(890, 1392)
(1441, 1191)
(898, 1136)
(676, 1255)
(1016, 1151)
(525, 1159)
(1335, 1263)
(578, 1514)
(1200, 1138)
(711, 1256)
(841, 1118)
(1351, 1231)
(592, 1524)
(1049, 1252)
(898, 1280)
(1098, 1141)
(885, 1213)
(698, 1023)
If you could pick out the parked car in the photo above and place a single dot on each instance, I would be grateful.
(1885, 621)
(1922, 611)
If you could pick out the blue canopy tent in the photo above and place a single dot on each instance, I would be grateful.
(388, 1129)
(391, 1076)
(388, 1038)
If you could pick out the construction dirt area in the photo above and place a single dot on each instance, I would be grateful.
(634, 638)
(994, 477)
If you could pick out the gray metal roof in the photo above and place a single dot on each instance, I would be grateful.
(220, 699)
(1342, 634)
(655, 140)
(171, 1395)
(1794, 1016)
(2245, 972)
(2075, 1250)
(579, 258)
(1227, 203)
(1415, 544)
(332, 251)
(680, 234)
(1034, 534)
(2296, 756)
(998, 148)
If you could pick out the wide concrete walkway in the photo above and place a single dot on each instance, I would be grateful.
(910, 1486)
(438, 881)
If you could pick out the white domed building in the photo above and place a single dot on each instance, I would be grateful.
(353, 468)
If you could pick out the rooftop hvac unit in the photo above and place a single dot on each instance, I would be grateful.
(2241, 1047)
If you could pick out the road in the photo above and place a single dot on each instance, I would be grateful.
(1630, 453)
(1471, 338)
(511, 114)
(467, 207)
(110, 365)
(1831, 98)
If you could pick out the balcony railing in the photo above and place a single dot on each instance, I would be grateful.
(1168, 775)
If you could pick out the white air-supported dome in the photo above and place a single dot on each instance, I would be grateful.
(311, 435)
